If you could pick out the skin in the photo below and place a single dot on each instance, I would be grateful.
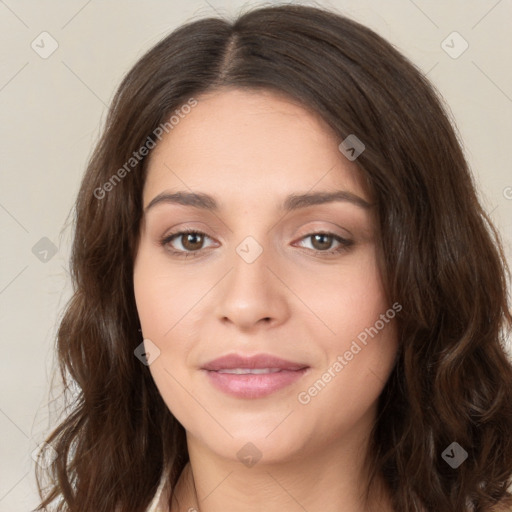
(249, 150)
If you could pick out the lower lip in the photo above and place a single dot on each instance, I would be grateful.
(252, 385)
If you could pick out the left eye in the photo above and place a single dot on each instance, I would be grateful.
(323, 242)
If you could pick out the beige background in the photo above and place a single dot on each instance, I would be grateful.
(52, 110)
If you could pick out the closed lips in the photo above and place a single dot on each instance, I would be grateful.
(252, 377)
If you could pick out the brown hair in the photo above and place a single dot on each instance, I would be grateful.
(441, 259)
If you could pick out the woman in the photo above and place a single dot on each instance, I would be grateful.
(287, 295)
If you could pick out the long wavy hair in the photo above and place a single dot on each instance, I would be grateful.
(441, 258)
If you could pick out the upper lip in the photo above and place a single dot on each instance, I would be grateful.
(231, 361)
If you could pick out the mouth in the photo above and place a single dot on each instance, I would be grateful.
(253, 377)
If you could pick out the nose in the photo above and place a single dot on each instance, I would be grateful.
(253, 295)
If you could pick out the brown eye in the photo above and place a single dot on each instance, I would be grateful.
(192, 241)
(322, 241)
(185, 242)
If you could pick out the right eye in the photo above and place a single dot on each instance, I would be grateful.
(191, 241)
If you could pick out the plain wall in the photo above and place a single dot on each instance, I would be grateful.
(52, 111)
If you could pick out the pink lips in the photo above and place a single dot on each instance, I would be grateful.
(253, 385)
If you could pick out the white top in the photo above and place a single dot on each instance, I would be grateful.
(154, 505)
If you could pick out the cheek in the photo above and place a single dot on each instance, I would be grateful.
(345, 299)
(167, 307)
(357, 336)
(165, 297)
(342, 395)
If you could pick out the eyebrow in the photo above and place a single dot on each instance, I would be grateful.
(292, 202)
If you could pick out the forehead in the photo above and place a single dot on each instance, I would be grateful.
(255, 142)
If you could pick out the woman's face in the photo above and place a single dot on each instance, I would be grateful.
(253, 279)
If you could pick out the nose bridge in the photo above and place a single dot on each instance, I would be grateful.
(250, 291)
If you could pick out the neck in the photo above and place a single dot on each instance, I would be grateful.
(331, 481)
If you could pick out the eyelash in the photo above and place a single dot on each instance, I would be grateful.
(344, 243)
